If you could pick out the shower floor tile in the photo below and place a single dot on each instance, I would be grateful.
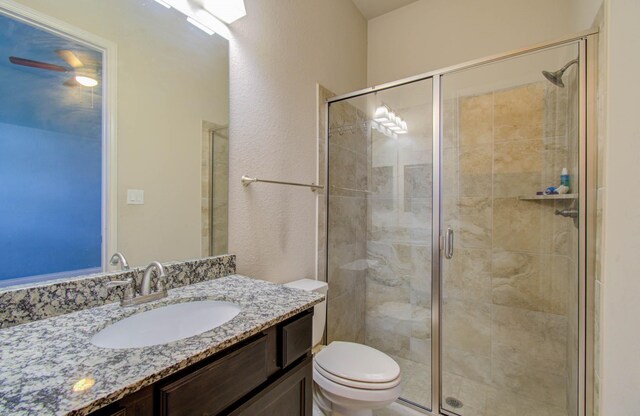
(416, 381)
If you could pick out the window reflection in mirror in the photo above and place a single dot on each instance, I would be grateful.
(74, 155)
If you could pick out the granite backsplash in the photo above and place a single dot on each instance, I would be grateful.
(32, 302)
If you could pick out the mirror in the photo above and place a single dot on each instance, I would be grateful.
(113, 137)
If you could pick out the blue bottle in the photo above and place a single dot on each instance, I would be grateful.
(564, 178)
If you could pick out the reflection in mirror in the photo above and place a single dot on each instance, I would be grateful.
(113, 117)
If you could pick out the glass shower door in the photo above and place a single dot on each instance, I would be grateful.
(510, 300)
(379, 228)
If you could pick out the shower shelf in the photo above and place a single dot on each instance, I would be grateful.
(546, 197)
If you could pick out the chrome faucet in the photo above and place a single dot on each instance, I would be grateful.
(145, 288)
(118, 258)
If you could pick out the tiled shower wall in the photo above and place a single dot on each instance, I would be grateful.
(347, 221)
(509, 292)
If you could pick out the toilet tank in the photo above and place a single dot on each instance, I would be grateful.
(320, 310)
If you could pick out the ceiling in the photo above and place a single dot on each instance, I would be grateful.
(375, 8)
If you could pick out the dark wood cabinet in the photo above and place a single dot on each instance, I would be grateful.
(296, 338)
(139, 403)
(290, 395)
(267, 374)
(215, 387)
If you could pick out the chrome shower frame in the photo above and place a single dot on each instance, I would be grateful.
(587, 42)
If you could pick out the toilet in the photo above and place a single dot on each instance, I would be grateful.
(350, 379)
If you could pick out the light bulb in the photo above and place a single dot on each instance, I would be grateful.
(86, 81)
(381, 114)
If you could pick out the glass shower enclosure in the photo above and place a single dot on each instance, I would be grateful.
(446, 246)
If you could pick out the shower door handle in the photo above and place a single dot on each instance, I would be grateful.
(448, 243)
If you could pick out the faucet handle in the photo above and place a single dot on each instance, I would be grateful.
(129, 292)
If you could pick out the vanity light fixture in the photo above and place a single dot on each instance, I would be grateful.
(200, 26)
(164, 3)
(86, 81)
(226, 10)
(210, 21)
(200, 17)
(388, 123)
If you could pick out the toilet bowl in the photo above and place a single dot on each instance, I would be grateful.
(350, 379)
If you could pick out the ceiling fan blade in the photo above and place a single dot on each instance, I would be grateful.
(70, 58)
(71, 82)
(37, 64)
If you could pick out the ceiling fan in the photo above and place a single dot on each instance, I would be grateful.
(80, 76)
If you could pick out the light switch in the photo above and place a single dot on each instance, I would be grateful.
(135, 196)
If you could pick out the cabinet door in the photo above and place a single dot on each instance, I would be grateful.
(290, 395)
(213, 388)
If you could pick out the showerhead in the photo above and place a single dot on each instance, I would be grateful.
(556, 77)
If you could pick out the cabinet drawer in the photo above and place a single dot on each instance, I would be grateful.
(297, 337)
(212, 388)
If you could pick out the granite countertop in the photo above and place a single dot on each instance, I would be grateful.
(42, 360)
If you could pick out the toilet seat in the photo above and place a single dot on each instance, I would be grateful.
(354, 383)
(358, 398)
(357, 366)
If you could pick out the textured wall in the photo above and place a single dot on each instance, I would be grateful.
(431, 34)
(278, 53)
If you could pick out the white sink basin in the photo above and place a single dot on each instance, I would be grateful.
(166, 324)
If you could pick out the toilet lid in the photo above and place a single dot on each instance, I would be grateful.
(357, 362)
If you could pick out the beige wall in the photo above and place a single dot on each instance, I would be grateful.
(431, 34)
(620, 373)
(278, 53)
(171, 77)
(583, 13)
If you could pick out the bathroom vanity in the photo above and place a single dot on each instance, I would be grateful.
(258, 363)
(268, 374)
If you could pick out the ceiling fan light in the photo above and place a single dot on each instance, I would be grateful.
(86, 81)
